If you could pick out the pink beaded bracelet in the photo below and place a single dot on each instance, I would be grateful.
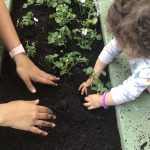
(17, 50)
(103, 101)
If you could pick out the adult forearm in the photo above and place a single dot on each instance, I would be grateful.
(8, 33)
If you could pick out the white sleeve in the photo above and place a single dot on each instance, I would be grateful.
(131, 88)
(109, 52)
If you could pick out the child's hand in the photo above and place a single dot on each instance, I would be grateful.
(92, 101)
(26, 115)
(83, 87)
(28, 71)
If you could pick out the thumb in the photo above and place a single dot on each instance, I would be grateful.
(29, 85)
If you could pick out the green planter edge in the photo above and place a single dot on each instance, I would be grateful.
(133, 118)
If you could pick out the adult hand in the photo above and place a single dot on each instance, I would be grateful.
(26, 115)
(28, 71)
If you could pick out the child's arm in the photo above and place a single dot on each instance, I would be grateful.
(110, 51)
(128, 91)
(98, 68)
(94, 101)
(25, 68)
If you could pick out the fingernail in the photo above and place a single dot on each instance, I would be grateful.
(53, 116)
(45, 133)
(56, 84)
(58, 78)
(37, 100)
(33, 90)
(53, 125)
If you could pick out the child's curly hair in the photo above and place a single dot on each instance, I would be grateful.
(129, 21)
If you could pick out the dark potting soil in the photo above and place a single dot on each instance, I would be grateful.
(76, 128)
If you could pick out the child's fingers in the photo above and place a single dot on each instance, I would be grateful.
(87, 104)
(80, 87)
(90, 107)
(87, 99)
(84, 89)
(90, 96)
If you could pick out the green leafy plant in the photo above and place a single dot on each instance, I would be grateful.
(33, 2)
(59, 38)
(63, 15)
(96, 84)
(26, 20)
(31, 49)
(85, 5)
(55, 3)
(91, 20)
(85, 37)
(29, 2)
(67, 62)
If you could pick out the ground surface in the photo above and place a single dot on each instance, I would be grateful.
(76, 128)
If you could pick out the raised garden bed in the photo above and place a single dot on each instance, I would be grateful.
(76, 128)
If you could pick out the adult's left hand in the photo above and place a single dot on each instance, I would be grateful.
(29, 72)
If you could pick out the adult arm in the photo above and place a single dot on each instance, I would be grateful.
(24, 66)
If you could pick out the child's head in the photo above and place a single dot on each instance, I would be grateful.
(129, 21)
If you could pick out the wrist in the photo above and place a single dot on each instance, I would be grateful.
(19, 56)
(16, 51)
(109, 100)
(103, 99)
(2, 115)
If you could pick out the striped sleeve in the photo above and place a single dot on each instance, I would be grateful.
(132, 87)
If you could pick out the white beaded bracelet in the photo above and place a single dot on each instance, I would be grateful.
(17, 50)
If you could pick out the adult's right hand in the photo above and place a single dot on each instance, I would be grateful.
(26, 115)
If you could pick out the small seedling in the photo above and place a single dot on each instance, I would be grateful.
(85, 5)
(91, 20)
(63, 15)
(26, 20)
(67, 62)
(96, 84)
(55, 3)
(31, 49)
(59, 38)
(33, 2)
(85, 37)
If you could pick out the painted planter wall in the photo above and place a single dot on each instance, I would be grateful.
(133, 118)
